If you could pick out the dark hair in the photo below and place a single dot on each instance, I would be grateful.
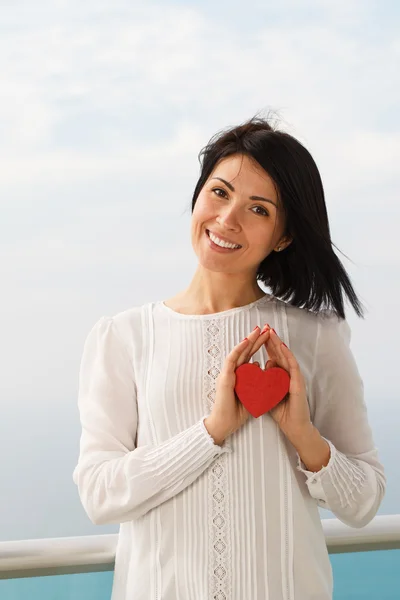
(307, 273)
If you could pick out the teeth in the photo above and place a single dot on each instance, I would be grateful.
(221, 242)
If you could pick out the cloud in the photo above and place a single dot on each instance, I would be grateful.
(100, 97)
(104, 107)
(77, 84)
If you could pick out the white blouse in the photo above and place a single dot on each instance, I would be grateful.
(200, 521)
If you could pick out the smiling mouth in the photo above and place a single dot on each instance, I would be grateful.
(221, 244)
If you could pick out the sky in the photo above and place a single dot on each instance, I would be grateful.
(104, 107)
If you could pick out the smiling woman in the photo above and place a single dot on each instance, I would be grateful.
(273, 168)
(250, 223)
(215, 503)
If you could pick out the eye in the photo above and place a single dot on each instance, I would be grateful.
(219, 190)
(264, 212)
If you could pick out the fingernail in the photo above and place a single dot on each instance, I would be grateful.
(283, 344)
(256, 327)
(272, 329)
(245, 339)
(265, 328)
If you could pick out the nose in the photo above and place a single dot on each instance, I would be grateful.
(228, 219)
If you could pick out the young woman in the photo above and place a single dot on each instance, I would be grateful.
(213, 503)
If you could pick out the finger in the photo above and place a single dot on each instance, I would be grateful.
(233, 357)
(276, 344)
(244, 356)
(262, 339)
(270, 348)
(269, 345)
(296, 379)
(270, 363)
(256, 363)
(254, 336)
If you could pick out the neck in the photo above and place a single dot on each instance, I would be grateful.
(211, 292)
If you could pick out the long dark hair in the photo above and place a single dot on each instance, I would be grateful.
(307, 273)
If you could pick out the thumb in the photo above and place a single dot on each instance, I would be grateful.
(270, 363)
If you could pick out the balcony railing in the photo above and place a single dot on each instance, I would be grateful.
(85, 554)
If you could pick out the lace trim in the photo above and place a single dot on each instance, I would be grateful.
(220, 558)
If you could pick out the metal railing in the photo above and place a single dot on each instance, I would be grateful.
(85, 554)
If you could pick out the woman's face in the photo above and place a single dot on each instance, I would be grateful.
(228, 210)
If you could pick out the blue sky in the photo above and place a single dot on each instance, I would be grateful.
(104, 108)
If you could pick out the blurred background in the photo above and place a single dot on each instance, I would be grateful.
(104, 107)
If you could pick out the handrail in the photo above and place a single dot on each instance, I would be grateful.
(57, 556)
(84, 554)
(382, 533)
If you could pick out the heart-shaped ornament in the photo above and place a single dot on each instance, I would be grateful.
(258, 390)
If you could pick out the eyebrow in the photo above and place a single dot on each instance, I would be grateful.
(230, 186)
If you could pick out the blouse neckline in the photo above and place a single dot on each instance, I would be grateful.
(224, 313)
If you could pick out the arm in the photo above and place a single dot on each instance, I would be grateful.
(352, 483)
(118, 482)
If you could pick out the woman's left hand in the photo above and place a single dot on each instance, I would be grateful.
(293, 413)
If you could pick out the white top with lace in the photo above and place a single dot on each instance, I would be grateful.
(200, 521)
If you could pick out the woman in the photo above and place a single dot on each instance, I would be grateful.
(213, 503)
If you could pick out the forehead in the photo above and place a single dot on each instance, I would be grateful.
(242, 171)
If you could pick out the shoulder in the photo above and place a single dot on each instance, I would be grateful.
(125, 325)
(129, 318)
(333, 330)
(311, 323)
(312, 333)
(129, 323)
(325, 335)
(300, 321)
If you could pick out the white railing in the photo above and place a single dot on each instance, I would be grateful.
(383, 533)
(57, 556)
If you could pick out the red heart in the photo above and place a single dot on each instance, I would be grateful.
(260, 390)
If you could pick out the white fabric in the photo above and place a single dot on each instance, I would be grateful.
(203, 522)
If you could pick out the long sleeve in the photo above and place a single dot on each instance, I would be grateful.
(118, 481)
(353, 483)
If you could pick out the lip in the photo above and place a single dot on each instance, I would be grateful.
(220, 237)
(219, 249)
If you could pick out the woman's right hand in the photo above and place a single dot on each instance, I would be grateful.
(228, 413)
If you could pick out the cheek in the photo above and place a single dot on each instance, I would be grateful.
(198, 217)
(202, 210)
(263, 238)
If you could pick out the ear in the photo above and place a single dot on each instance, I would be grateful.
(283, 243)
(287, 240)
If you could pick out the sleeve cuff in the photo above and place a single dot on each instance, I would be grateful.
(339, 484)
(314, 479)
(218, 449)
